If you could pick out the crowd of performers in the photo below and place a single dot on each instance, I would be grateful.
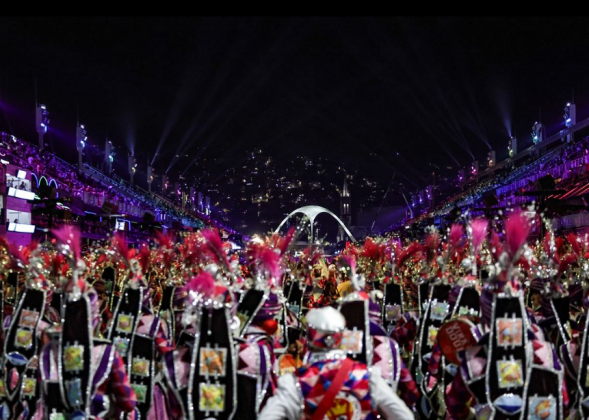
(477, 322)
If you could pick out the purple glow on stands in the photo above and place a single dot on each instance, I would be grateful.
(91, 190)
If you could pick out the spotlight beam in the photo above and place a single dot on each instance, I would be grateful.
(248, 87)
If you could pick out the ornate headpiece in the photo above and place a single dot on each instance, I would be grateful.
(325, 328)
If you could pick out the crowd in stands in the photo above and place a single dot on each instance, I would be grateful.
(93, 188)
(568, 164)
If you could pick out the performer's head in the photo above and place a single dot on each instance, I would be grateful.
(494, 287)
(555, 290)
(265, 318)
(325, 329)
(535, 293)
(179, 298)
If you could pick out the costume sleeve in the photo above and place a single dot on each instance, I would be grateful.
(162, 343)
(173, 404)
(286, 402)
(407, 387)
(388, 404)
(458, 399)
(405, 332)
(121, 392)
(435, 360)
(173, 362)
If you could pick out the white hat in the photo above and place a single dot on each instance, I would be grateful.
(326, 319)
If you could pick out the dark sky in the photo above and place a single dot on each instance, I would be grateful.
(391, 94)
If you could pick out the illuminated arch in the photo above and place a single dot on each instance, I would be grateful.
(54, 181)
(43, 179)
(33, 176)
(312, 212)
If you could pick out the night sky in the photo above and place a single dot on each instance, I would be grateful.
(402, 95)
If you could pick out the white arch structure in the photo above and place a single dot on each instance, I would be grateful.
(312, 212)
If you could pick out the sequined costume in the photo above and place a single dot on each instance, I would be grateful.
(311, 393)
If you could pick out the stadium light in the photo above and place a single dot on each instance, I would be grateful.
(81, 139)
(42, 119)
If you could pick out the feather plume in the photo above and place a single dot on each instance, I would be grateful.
(432, 243)
(517, 229)
(18, 257)
(120, 247)
(316, 257)
(192, 252)
(373, 251)
(57, 264)
(310, 256)
(47, 260)
(455, 241)
(204, 284)
(28, 250)
(269, 261)
(408, 253)
(144, 258)
(3, 242)
(164, 240)
(478, 232)
(351, 250)
(546, 242)
(284, 243)
(167, 257)
(102, 258)
(70, 235)
(574, 241)
(524, 263)
(264, 260)
(560, 244)
(566, 262)
(214, 245)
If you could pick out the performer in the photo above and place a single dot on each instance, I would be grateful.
(433, 296)
(255, 378)
(564, 321)
(365, 339)
(463, 302)
(18, 392)
(387, 356)
(82, 376)
(330, 384)
(259, 312)
(138, 334)
(512, 372)
(201, 372)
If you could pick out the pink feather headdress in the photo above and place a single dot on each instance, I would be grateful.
(455, 239)
(517, 229)
(478, 233)
(203, 284)
(69, 243)
(214, 246)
